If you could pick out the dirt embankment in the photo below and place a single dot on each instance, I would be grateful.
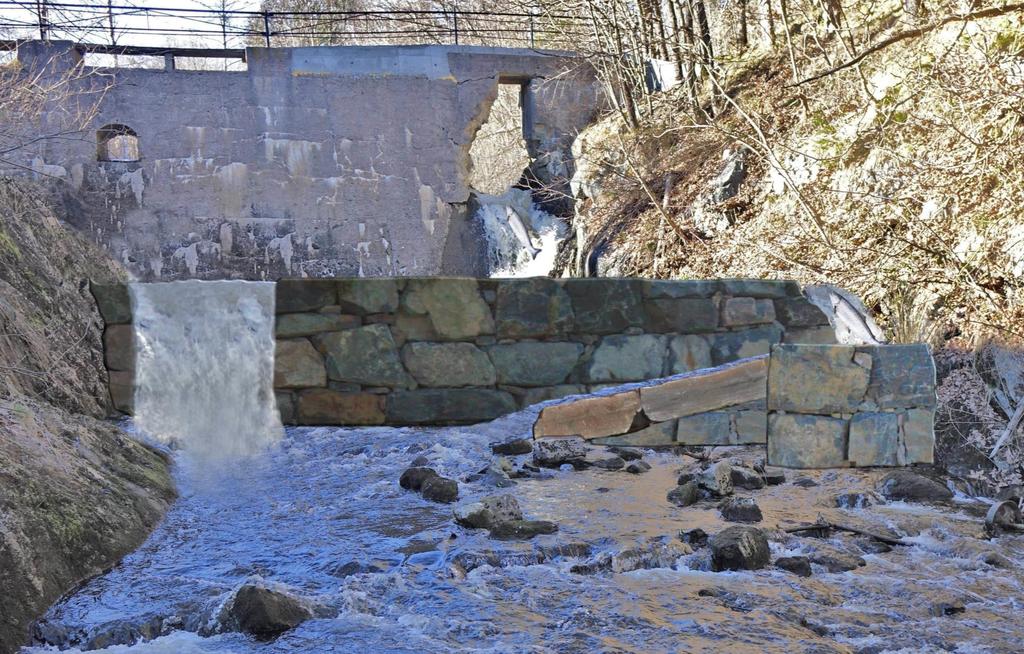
(76, 494)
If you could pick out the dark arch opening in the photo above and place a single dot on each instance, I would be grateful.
(117, 143)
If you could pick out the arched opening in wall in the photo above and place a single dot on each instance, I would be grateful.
(498, 155)
(117, 143)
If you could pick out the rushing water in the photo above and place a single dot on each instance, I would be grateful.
(522, 240)
(205, 365)
(326, 497)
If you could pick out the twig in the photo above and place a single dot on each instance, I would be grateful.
(1018, 415)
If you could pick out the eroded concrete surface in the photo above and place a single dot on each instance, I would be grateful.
(313, 162)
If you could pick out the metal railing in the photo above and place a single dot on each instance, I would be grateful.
(133, 24)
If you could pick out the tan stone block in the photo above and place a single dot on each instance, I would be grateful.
(322, 406)
(591, 417)
(917, 432)
(297, 364)
(707, 390)
(798, 440)
(751, 427)
(818, 379)
(122, 390)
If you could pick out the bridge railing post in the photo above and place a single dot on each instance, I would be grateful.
(455, 24)
(266, 27)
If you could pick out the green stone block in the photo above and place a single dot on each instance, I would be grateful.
(535, 364)
(530, 308)
(874, 439)
(806, 441)
(443, 406)
(627, 358)
(605, 306)
(366, 355)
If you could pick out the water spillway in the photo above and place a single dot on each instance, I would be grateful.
(205, 365)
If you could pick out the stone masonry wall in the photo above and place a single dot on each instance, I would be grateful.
(840, 405)
(424, 351)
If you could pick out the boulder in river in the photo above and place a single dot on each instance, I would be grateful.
(740, 509)
(440, 489)
(626, 453)
(488, 512)
(637, 467)
(858, 500)
(655, 553)
(695, 538)
(264, 612)
(739, 548)
(912, 487)
(798, 565)
(413, 478)
(683, 496)
(513, 448)
(522, 529)
(746, 478)
(834, 559)
(613, 463)
(554, 452)
(717, 479)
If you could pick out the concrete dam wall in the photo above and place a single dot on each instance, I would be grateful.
(314, 162)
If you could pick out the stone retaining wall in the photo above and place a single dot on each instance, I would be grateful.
(844, 405)
(423, 351)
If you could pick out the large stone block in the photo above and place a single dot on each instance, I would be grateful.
(750, 427)
(364, 296)
(534, 364)
(659, 433)
(917, 434)
(874, 439)
(114, 302)
(448, 364)
(365, 355)
(447, 406)
(706, 390)
(122, 390)
(545, 393)
(742, 311)
(119, 347)
(605, 306)
(806, 441)
(682, 316)
(286, 407)
(810, 336)
(590, 417)
(731, 346)
(293, 325)
(454, 306)
(760, 288)
(902, 376)
(627, 358)
(297, 295)
(799, 312)
(712, 428)
(297, 364)
(323, 406)
(688, 353)
(817, 378)
(679, 288)
(529, 308)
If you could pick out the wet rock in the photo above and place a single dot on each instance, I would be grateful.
(774, 477)
(637, 467)
(997, 560)
(514, 447)
(739, 548)
(695, 538)
(805, 482)
(947, 608)
(912, 487)
(553, 452)
(683, 496)
(488, 512)
(420, 462)
(413, 478)
(565, 550)
(593, 565)
(740, 509)
(858, 500)
(356, 568)
(464, 561)
(746, 479)
(614, 463)
(834, 559)
(655, 553)
(626, 453)
(496, 477)
(798, 565)
(522, 529)
(264, 612)
(717, 479)
(440, 489)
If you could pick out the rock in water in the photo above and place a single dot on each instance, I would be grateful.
(912, 487)
(637, 467)
(513, 448)
(717, 479)
(798, 565)
(488, 512)
(746, 479)
(695, 538)
(553, 452)
(857, 500)
(739, 548)
(626, 453)
(614, 463)
(414, 478)
(740, 509)
(835, 559)
(264, 612)
(522, 529)
(440, 489)
(683, 496)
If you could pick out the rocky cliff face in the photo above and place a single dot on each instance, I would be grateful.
(76, 494)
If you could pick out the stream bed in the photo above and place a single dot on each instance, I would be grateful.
(321, 514)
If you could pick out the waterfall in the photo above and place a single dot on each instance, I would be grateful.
(522, 240)
(205, 366)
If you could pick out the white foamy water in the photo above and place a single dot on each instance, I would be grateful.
(522, 240)
(205, 366)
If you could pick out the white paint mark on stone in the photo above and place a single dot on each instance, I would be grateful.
(190, 255)
(226, 238)
(282, 245)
